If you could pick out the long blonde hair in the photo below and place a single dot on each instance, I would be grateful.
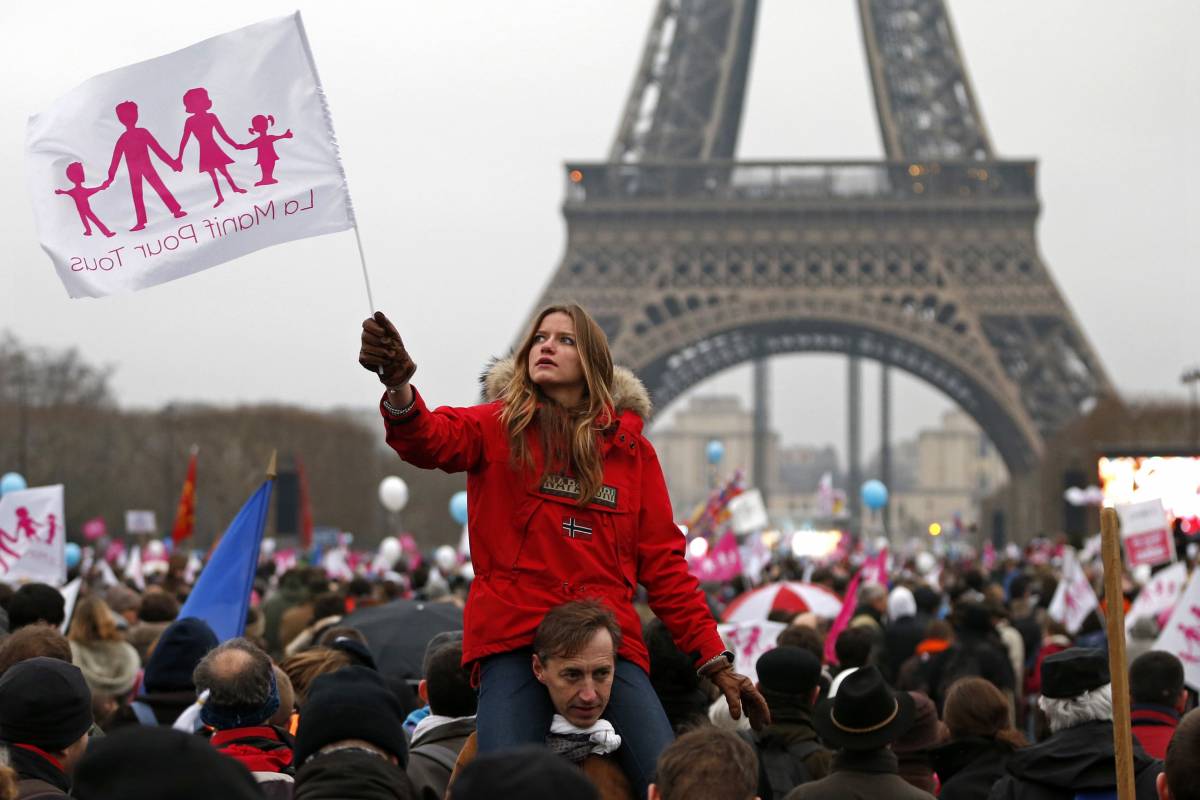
(93, 622)
(568, 434)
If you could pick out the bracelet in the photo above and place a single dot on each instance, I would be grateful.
(726, 657)
(399, 412)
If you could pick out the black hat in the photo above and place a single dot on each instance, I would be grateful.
(44, 702)
(865, 715)
(36, 602)
(530, 772)
(788, 671)
(352, 703)
(359, 653)
(1074, 671)
(180, 648)
(149, 763)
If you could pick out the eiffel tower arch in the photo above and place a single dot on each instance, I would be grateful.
(927, 261)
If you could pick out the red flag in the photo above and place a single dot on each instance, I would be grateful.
(306, 522)
(185, 515)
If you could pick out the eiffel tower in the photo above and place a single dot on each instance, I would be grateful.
(694, 261)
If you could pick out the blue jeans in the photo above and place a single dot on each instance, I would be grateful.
(515, 709)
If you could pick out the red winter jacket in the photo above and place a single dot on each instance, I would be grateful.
(534, 548)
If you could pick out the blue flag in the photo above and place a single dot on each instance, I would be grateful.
(222, 595)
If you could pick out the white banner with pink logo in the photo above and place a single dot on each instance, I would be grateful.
(1181, 634)
(748, 641)
(32, 536)
(1146, 533)
(1159, 595)
(1074, 598)
(164, 168)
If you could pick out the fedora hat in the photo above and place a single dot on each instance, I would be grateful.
(865, 715)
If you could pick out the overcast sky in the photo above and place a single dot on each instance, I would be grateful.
(454, 120)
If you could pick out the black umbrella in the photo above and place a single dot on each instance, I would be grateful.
(398, 632)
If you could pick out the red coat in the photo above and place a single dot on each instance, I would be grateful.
(534, 548)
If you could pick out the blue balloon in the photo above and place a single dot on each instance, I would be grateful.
(714, 451)
(458, 507)
(74, 554)
(12, 482)
(874, 494)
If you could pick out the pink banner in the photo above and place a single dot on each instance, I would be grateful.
(849, 603)
(722, 563)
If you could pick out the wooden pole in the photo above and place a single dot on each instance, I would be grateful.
(1114, 598)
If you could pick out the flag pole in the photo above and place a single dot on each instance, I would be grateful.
(362, 259)
(271, 471)
(1110, 542)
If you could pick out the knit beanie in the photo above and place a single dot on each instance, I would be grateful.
(352, 703)
(109, 667)
(44, 702)
(179, 650)
(149, 763)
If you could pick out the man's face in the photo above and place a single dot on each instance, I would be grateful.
(580, 684)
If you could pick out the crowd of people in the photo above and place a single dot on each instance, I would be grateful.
(587, 661)
(966, 689)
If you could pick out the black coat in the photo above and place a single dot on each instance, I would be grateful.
(901, 638)
(1078, 759)
(969, 767)
(972, 654)
(36, 776)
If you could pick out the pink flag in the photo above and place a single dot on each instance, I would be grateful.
(170, 166)
(95, 528)
(722, 563)
(843, 618)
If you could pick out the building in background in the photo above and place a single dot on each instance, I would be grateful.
(681, 449)
(940, 477)
(956, 467)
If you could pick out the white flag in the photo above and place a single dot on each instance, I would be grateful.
(32, 536)
(748, 641)
(133, 568)
(1181, 635)
(70, 594)
(167, 167)
(1074, 598)
(1158, 595)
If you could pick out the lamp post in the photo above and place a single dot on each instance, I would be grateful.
(1189, 379)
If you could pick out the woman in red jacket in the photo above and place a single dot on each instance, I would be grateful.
(566, 500)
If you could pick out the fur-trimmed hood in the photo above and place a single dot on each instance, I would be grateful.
(629, 394)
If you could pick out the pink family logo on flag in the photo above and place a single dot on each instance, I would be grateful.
(102, 161)
(32, 544)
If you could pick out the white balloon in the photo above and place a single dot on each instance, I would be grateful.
(393, 493)
(390, 550)
(925, 562)
(156, 549)
(445, 558)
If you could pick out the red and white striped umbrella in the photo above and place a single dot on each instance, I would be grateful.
(793, 597)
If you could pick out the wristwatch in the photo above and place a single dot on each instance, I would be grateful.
(719, 661)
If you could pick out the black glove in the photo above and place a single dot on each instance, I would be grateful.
(382, 352)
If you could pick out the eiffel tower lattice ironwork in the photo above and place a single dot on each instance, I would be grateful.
(926, 261)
